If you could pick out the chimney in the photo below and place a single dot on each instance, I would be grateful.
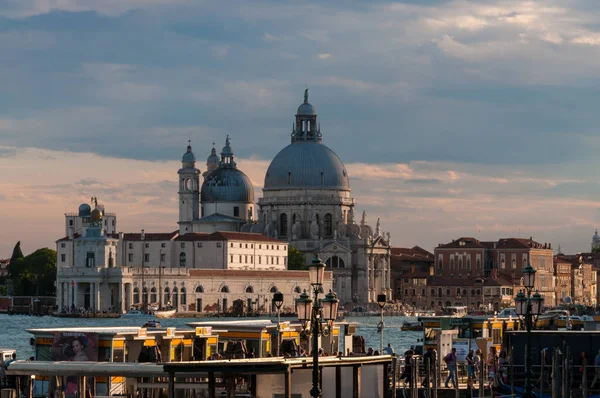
(549, 245)
(431, 269)
(412, 268)
(531, 241)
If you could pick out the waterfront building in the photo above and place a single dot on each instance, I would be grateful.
(4, 266)
(583, 278)
(407, 260)
(426, 290)
(504, 258)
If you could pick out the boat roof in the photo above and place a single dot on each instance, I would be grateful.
(110, 331)
(136, 369)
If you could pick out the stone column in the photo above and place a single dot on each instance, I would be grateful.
(97, 297)
(119, 305)
(69, 295)
(75, 294)
(59, 295)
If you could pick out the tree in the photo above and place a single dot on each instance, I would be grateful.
(296, 259)
(34, 274)
(16, 255)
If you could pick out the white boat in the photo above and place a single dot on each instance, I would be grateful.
(165, 313)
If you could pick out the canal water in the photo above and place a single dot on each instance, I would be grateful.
(13, 332)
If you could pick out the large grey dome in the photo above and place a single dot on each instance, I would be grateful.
(306, 164)
(306, 109)
(227, 185)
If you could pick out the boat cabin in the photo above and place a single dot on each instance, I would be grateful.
(6, 353)
(260, 337)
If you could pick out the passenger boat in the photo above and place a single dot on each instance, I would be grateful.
(138, 313)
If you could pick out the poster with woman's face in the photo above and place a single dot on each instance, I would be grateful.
(74, 346)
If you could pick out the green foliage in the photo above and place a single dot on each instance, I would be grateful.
(596, 250)
(35, 274)
(16, 255)
(296, 259)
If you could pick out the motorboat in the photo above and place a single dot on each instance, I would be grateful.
(137, 313)
(168, 313)
(152, 324)
(412, 326)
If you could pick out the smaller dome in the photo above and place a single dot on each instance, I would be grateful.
(596, 237)
(213, 158)
(188, 156)
(306, 109)
(84, 210)
(96, 215)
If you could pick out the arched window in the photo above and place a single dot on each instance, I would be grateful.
(440, 264)
(145, 296)
(328, 225)
(468, 262)
(273, 289)
(200, 289)
(478, 264)
(249, 289)
(464, 293)
(478, 292)
(167, 298)
(433, 292)
(335, 262)
(447, 292)
(460, 263)
(183, 296)
(153, 295)
(175, 297)
(414, 292)
(297, 289)
(458, 291)
(182, 259)
(283, 225)
(451, 263)
(472, 292)
(136, 295)
(225, 289)
(439, 292)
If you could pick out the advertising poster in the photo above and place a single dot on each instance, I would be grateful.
(462, 349)
(74, 346)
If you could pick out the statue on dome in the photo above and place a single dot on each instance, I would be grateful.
(306, 95)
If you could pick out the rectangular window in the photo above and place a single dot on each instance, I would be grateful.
(246, 245)
(240, 245)
(130, 257)
(260, 246)
(163, 245)
(251, 260)
(236, 211)
(70, 223)
(63, 245)
(496, 336)
(240, 256)
(63, 258)
(199, 244)
(182, 245)
(277, 260)
(231, 260)
(277, 247)
(219, 244)
(131, 245)
(90, 260)
(113, 223)
(147, 245)
(146, 257)
(231, 244)
(162, 257)
(259, 260)
(246, 259)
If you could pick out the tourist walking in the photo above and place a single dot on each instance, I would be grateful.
(470, 368)
(429, 362)
(450, 360)
(492, 362)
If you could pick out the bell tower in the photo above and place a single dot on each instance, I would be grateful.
(189, 191)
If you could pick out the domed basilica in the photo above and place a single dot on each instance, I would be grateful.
(306, 201)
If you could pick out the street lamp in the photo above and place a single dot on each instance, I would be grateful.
(316, 312)
(278, 300)
(381, 300)
(528, 306)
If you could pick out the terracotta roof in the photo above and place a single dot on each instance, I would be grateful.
(149, 236)
(497, 282)
(519, 243)
(463, 243)
(191, 237)
(416, 274)
(414, 254)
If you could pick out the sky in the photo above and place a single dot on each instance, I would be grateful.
(453, 118)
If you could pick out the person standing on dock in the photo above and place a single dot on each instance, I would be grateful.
(450, 360)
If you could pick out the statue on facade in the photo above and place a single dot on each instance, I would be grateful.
(363, 220)
(378, 227)
(296, 229)
(341, 229)
(314, 228)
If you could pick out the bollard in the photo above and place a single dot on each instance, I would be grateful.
(584, 378)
